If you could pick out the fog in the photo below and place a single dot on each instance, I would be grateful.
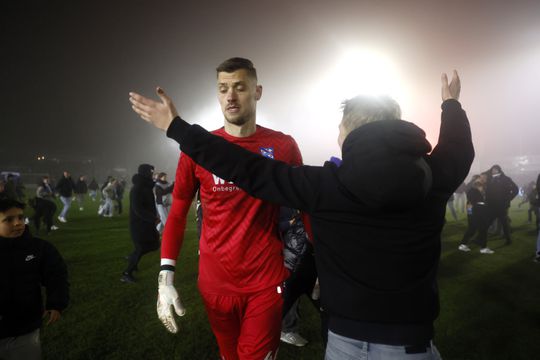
(67, 69)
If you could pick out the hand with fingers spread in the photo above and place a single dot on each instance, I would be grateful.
(452, 90)
(158, 113)
(168, 297)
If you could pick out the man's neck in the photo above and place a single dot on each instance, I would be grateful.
(245, 130)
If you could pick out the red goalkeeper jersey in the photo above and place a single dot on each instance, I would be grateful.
(240, 248)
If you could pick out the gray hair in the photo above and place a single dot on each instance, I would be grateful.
(363, 109)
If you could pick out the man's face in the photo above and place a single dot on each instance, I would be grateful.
(11, 223)
(238, 94)
(66, 174)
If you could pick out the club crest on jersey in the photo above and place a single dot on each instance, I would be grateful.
(267, 152)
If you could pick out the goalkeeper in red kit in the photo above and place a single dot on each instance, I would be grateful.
(241, 261)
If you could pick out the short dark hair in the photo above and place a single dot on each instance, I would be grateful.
(6, 204)
(237, 63)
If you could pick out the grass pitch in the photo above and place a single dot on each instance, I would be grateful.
(490, 304)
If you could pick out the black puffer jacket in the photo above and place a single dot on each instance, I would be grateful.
(26, 264)
(500, 190)
(294, 236)
(377, 219)
(142, 211)
(65, 186)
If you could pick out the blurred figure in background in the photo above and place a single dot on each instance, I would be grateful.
(500, 191)
(80, 190)
(162, 192)
(143, 219)
(477, 216)
(65, 188)
(45, 206)
(109, 194)
(92, 189)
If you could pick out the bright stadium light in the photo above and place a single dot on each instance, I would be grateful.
(359, 71)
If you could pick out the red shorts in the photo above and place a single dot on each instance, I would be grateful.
(246, 327)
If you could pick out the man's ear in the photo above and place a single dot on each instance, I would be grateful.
(258, 92)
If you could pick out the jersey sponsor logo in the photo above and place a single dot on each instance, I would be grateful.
(267, 152)
(30, 257)
(222, 185)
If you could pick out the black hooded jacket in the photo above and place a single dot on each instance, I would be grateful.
(376, 219)
(500, 190)
(26, 264)
(142, 211)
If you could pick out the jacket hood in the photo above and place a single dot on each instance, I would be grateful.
(383, 164)
(140, 180)
(145, 170)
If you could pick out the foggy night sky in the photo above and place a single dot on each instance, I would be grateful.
(67, 68)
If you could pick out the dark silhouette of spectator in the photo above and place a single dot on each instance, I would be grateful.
(45, 206)
(120, 189)
(92, 189)
(65, 187)
(10, 187)
(500, 190)
(299, 260)
(143, 219)
(80, 190)
(477, 217)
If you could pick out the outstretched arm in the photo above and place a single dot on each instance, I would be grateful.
(270, 180)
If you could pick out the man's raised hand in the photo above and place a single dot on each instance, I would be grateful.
(158, 113)
(452, 90)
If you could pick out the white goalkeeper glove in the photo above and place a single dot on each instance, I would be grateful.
(167, 297)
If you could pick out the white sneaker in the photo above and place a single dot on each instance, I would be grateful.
(54, 227)
(61, 219)
(100, 210)
(486, 251)
(464, 247)
(26, 221)
(293, 339)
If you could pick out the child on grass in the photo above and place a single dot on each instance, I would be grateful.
(26, 265)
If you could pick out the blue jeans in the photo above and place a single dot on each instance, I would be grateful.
(26, 347)
(343, 348)
(67, 204)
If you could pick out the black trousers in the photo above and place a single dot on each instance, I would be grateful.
(301, 282)
(501, 214)
(140, 250)
(45, 210)
(477, 222)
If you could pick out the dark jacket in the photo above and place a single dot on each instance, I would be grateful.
(500, 191)
(26, 264)
(81, 187)
(377, 219)
(142, 210)
(294, 236)
(65, 186)
(93, 185)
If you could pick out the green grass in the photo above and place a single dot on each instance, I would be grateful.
(490, 304)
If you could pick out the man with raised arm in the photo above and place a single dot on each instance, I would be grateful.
(377, 218)
(241, 262)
